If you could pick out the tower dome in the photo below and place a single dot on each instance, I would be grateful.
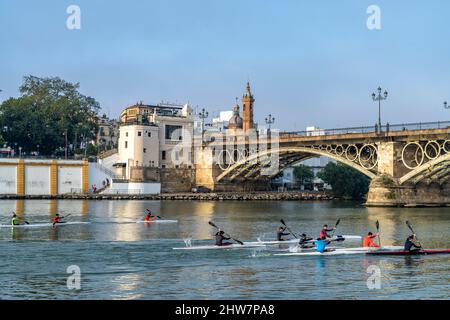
(235, 121)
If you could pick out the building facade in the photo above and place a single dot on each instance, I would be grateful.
(151, 135)
(108, 133)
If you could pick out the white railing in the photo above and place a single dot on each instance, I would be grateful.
(107, 171)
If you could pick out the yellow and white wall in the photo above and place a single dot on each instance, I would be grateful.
(43, 177)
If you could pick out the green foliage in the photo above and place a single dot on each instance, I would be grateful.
(303, 174)
(91, 150)
(46, 108)
(345, 181)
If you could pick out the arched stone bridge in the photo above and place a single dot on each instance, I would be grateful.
(407, 164)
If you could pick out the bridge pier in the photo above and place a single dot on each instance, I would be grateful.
(385, 191)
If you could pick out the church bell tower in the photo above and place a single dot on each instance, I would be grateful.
(247, 109)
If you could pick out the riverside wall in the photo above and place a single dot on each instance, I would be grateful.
(216, 196)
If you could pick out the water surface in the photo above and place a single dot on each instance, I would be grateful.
(123, 260)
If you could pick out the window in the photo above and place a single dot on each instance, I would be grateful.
(149, 134)
(126, 144)
(126, 134)
(163, 155)
(139, 133)
(173, 132)
(145, 150)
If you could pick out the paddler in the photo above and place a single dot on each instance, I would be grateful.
(412, 244)
(57, 219)
(368, 240)
(148, 216)
(220, 236)
(15, 221)
(321, 244)
(304, 241)
(324, 232)
(281, 233)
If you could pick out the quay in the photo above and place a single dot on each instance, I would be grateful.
(213, 196)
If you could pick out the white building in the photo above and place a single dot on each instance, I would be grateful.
(155, 136)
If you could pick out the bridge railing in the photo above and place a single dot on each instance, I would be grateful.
(369, 129)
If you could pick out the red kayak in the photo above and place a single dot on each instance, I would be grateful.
(408, 253)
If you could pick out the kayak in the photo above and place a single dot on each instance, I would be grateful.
(158, 221)
(409, 253)
(338, 251)
(295, 241)
(41, 225)
(214, 247)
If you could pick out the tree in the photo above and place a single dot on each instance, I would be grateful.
(303, 174)
(345, 181)
(46, 108)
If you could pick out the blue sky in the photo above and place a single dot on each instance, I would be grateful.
(309, 62)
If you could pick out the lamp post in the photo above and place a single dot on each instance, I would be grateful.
(65, 143)
(379, 98)
(446, 106)
(37, 150)
(270, 120)
(20, 152)
(203, 115)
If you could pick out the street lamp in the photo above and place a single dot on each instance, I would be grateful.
(20, 152)
(379, 98)
(446, 106)
(65, 143)
(203, 115)
(270, 120)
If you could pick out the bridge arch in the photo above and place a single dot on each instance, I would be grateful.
(303, 152)
(438, 169)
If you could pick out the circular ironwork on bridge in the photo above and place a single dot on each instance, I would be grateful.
(446, 146)
(224, 164)
(339, 150)
(432, 149)
(368, 156)
(413, 155)
(351, 152)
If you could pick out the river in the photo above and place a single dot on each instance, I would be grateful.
(120, 260)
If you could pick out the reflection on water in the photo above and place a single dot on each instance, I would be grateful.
(121, 259)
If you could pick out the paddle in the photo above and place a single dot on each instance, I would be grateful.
(282, 221)
(213, 225)
(412, 230)
(377, 224)
(335, 226)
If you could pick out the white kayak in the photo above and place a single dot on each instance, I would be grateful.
(214, 247)
(42, 225)
(295, 241)
(337, 251)
(158, 221)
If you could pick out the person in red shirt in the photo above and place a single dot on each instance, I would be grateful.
(324, 232)
(368, 240)
(149, 217)
(57, 219)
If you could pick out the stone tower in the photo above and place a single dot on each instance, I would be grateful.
(247, 109)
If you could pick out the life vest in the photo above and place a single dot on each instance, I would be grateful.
(368, 242)
(321, 245)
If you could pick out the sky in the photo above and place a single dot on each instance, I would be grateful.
(308, 62)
